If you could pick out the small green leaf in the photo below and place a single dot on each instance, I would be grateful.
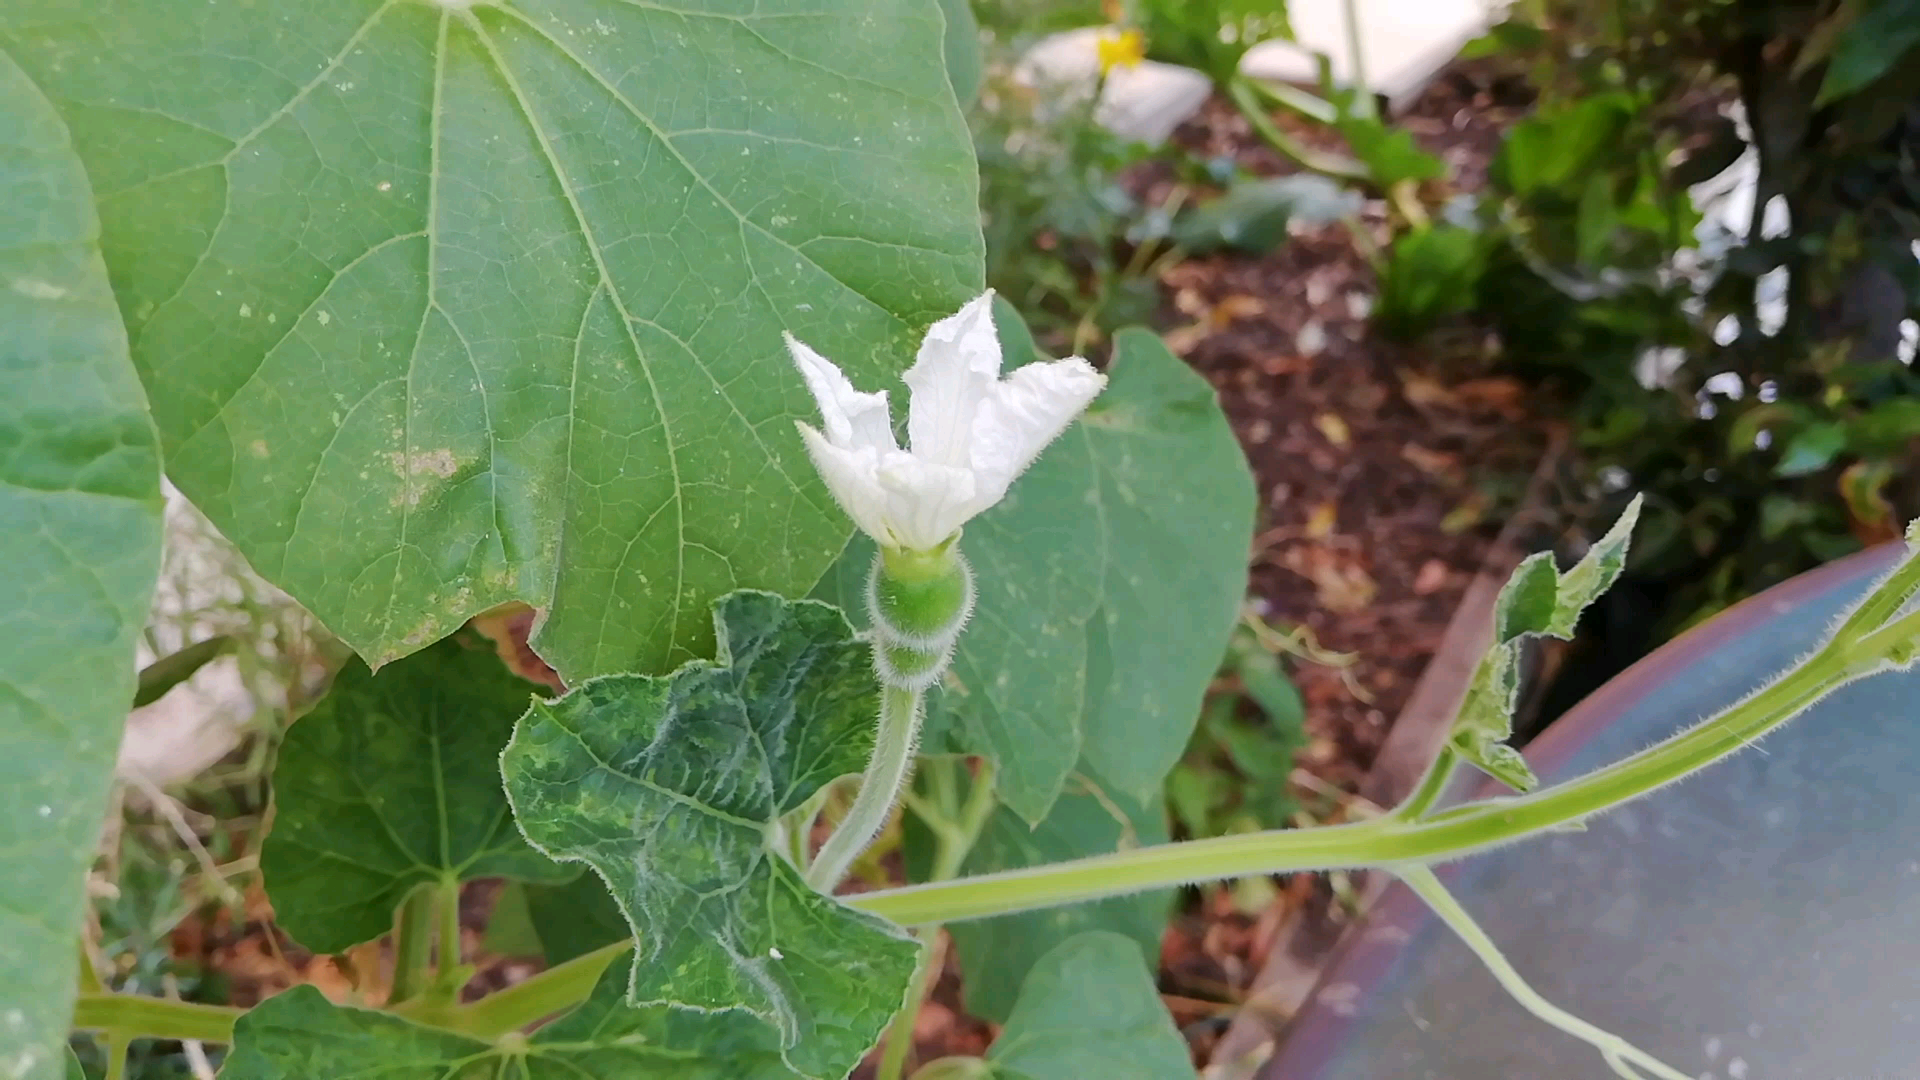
(299, 1035)
(666, 786)
(1811, 449)
(1266, 683)
(1253, 215)
(1089, 1009)
(1109, 581)
(995, 954)
(1537, 601)
(1388, 151)
(576, 918)
(1526, 602)
(390, 783)
(1870, 46)
(1594, 574)
(510, 930)
(443, 305)
(1486, 716)
(74, 1069)
(80, 541)
(1502, 762)
(177, 667)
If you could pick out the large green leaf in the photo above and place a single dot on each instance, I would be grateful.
(666, 787)
(80, 540)
(393, 782)
(1109, 581)
(1089, 1008)
(996, 954)
(299, 1035)
(448, 304)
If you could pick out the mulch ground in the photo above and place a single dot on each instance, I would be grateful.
(1384, 471)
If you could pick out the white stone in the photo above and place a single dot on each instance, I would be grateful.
(1403, 43)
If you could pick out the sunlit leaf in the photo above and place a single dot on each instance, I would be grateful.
(443, 305)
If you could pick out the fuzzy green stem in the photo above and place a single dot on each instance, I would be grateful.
(413, 943)
(899, 1042)
(956, 828)
(449, 960)
(131, 1015)
(1616, 1050)
(554, 990)
(117, 1045)
(1363, 103)
(880, 785)
(1388, 840)
(1433, 784)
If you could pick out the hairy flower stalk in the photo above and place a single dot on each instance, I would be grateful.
(971, 433)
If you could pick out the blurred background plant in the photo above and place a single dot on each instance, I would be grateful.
(1703, 237)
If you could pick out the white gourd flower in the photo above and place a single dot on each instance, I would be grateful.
(970, 431)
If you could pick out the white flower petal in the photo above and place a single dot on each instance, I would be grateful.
(972, 432)
(958, 364)
(851, 417)
(852, 476)
(927, 502)
(1023, 413)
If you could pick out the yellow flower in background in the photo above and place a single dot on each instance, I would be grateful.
(1121, 48)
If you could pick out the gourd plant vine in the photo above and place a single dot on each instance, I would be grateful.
(442, 306)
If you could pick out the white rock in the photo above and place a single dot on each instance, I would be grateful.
(1403, 43)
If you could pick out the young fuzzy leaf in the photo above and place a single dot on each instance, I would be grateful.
(1594, 574)
(1527, 601)
(666, 786)
(1537, 601)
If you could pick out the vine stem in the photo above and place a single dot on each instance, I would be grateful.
(899, 1043)
(880, 786)
(413, 943)
(1433, 783)
(1617, 1051)
(956, 828)
(1476, 827)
